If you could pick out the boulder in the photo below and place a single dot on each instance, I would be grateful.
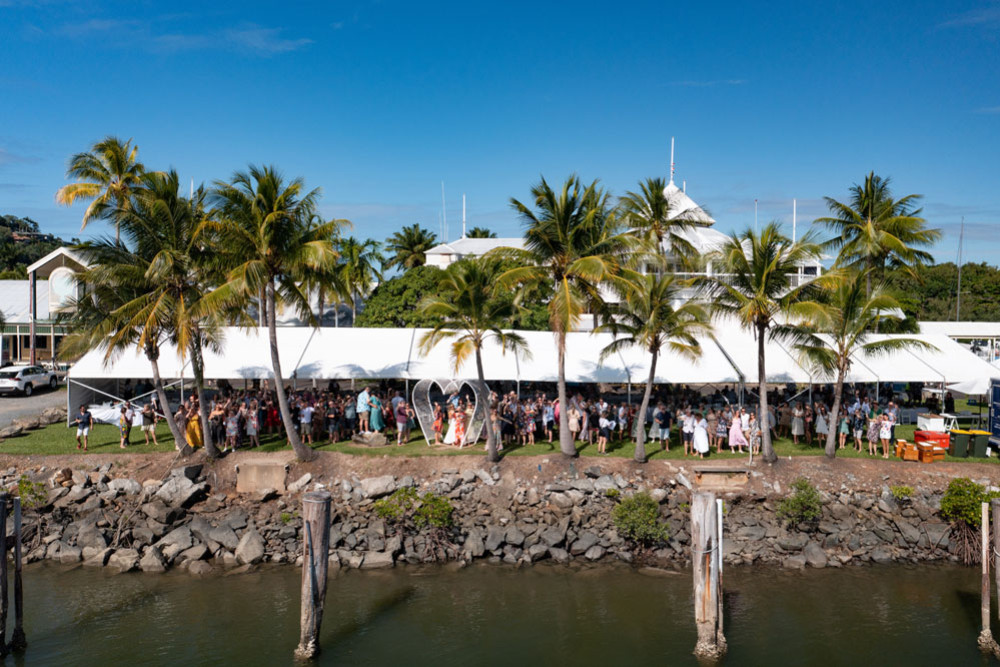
(376, 487)
(129, 487)
(200, 568)
(814, 555)
(537, 552)
(69, 555)
(561, 500)
(494, 538)
(595, 552)
(584, 543)
(659, 495)
(192, 472)
(793, 542)
(225, 536)
(176, 540)
(605, 483)
(124, 560)
(179, 491)
(99, 559)
(514, 536)
(300, 483)
(250, 549)
(553, 536)
(370, 440)
(474, 544)
(909, 532)
(197, 552)
(153, 560)
(559, 555)
(376, 559)
(486, 478)
(797, 562)
(881, 554)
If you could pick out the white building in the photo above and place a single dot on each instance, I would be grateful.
(448, 253)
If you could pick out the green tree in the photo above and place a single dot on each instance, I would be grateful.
(652, 214)
(360, 268)
(326, 282)
(574, 241)
(110, 316)
(107, 175)
(754, 286)
(408, 247)
(466, 311)
(646, 317)
(874, 231)
(265, 241)
(394, 303)
(481, 233)
(848, 316)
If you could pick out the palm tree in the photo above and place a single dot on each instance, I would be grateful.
(109, 315)
(754, 286)
(265, 242)
(166, 230)
(107, 175)
(409, 247)
(481, 233)
(647, 318)
(874, 231)
(651, 212)
(360, 268)
(848, 316)
(326, 281)
(469, 307)
(573, 240)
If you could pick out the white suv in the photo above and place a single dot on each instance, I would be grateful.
(25, 379)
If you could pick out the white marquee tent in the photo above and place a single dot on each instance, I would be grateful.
(373, 354)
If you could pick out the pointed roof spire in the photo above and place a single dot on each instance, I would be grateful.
(672, 166)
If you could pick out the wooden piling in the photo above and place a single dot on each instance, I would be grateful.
(3, 574)
(706, 558)
(985, 641)
(996, 545)
(315, 563)
(18, 641)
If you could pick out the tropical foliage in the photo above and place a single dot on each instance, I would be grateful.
(481, 233)
(408, 247)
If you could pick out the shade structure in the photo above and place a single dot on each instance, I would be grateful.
(728, 357)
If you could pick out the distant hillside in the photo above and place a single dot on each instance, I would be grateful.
(933, 297)
(21, 243)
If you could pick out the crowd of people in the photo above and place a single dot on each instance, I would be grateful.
(700, 423)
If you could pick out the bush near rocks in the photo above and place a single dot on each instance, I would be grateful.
(803, 505)
(637, 518)
(963, 501)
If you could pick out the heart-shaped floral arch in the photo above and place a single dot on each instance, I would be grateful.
(425, 411)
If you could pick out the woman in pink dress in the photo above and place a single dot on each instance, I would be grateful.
(736, 437)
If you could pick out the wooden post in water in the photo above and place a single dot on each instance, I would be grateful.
(986, 642)
(3, 574)
(996, 545)
(706, 558)
(18, 641)
(315, 563)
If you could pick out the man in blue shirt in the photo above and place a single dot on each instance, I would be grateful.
(363, 409)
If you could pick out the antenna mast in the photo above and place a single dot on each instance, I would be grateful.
(793, 221)
(671, 159)
(754, 216)
(958, 292)
(463, 215)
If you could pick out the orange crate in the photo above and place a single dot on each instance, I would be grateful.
(928, 453)
(911, 453)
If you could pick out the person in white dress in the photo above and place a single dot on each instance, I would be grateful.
(449, 438)
(701, 435)
(822, 428)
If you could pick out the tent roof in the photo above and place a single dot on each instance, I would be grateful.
(962, 329)
(341, 353)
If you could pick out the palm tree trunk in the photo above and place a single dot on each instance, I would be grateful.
(319, 306)
(640, 437)
(833, 427)
(492, 454)
(765, 431)
(566, 444)
(354, 310)
(180, 442)
(302, 452)
(198, 366)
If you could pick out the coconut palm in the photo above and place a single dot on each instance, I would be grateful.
(573, 240)
(754, 286)
(409, 246)
(107, 317)
(646, 317)
(652, 213)
(264, 240)
(847, 316)
(470, 309)
(874, 231)
(107, 175)
(481, 233)
(360, 268)
(166, 230)
(327, 281)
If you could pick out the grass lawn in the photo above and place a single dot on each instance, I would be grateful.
(58, 439)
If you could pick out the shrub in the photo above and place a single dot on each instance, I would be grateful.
(637, 518)
(901, 492)
(963, 499)
(803, 505)
(406, 505)
(32, 494)
(613, 494)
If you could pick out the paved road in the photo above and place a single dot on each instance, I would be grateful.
(15, 406)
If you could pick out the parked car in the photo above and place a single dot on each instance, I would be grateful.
(25, 379)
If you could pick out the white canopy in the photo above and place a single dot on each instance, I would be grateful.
(341, 353)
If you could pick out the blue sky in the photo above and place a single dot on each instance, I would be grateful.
(377, 103)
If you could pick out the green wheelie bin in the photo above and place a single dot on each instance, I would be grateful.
(958, 443)
(978, 443)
